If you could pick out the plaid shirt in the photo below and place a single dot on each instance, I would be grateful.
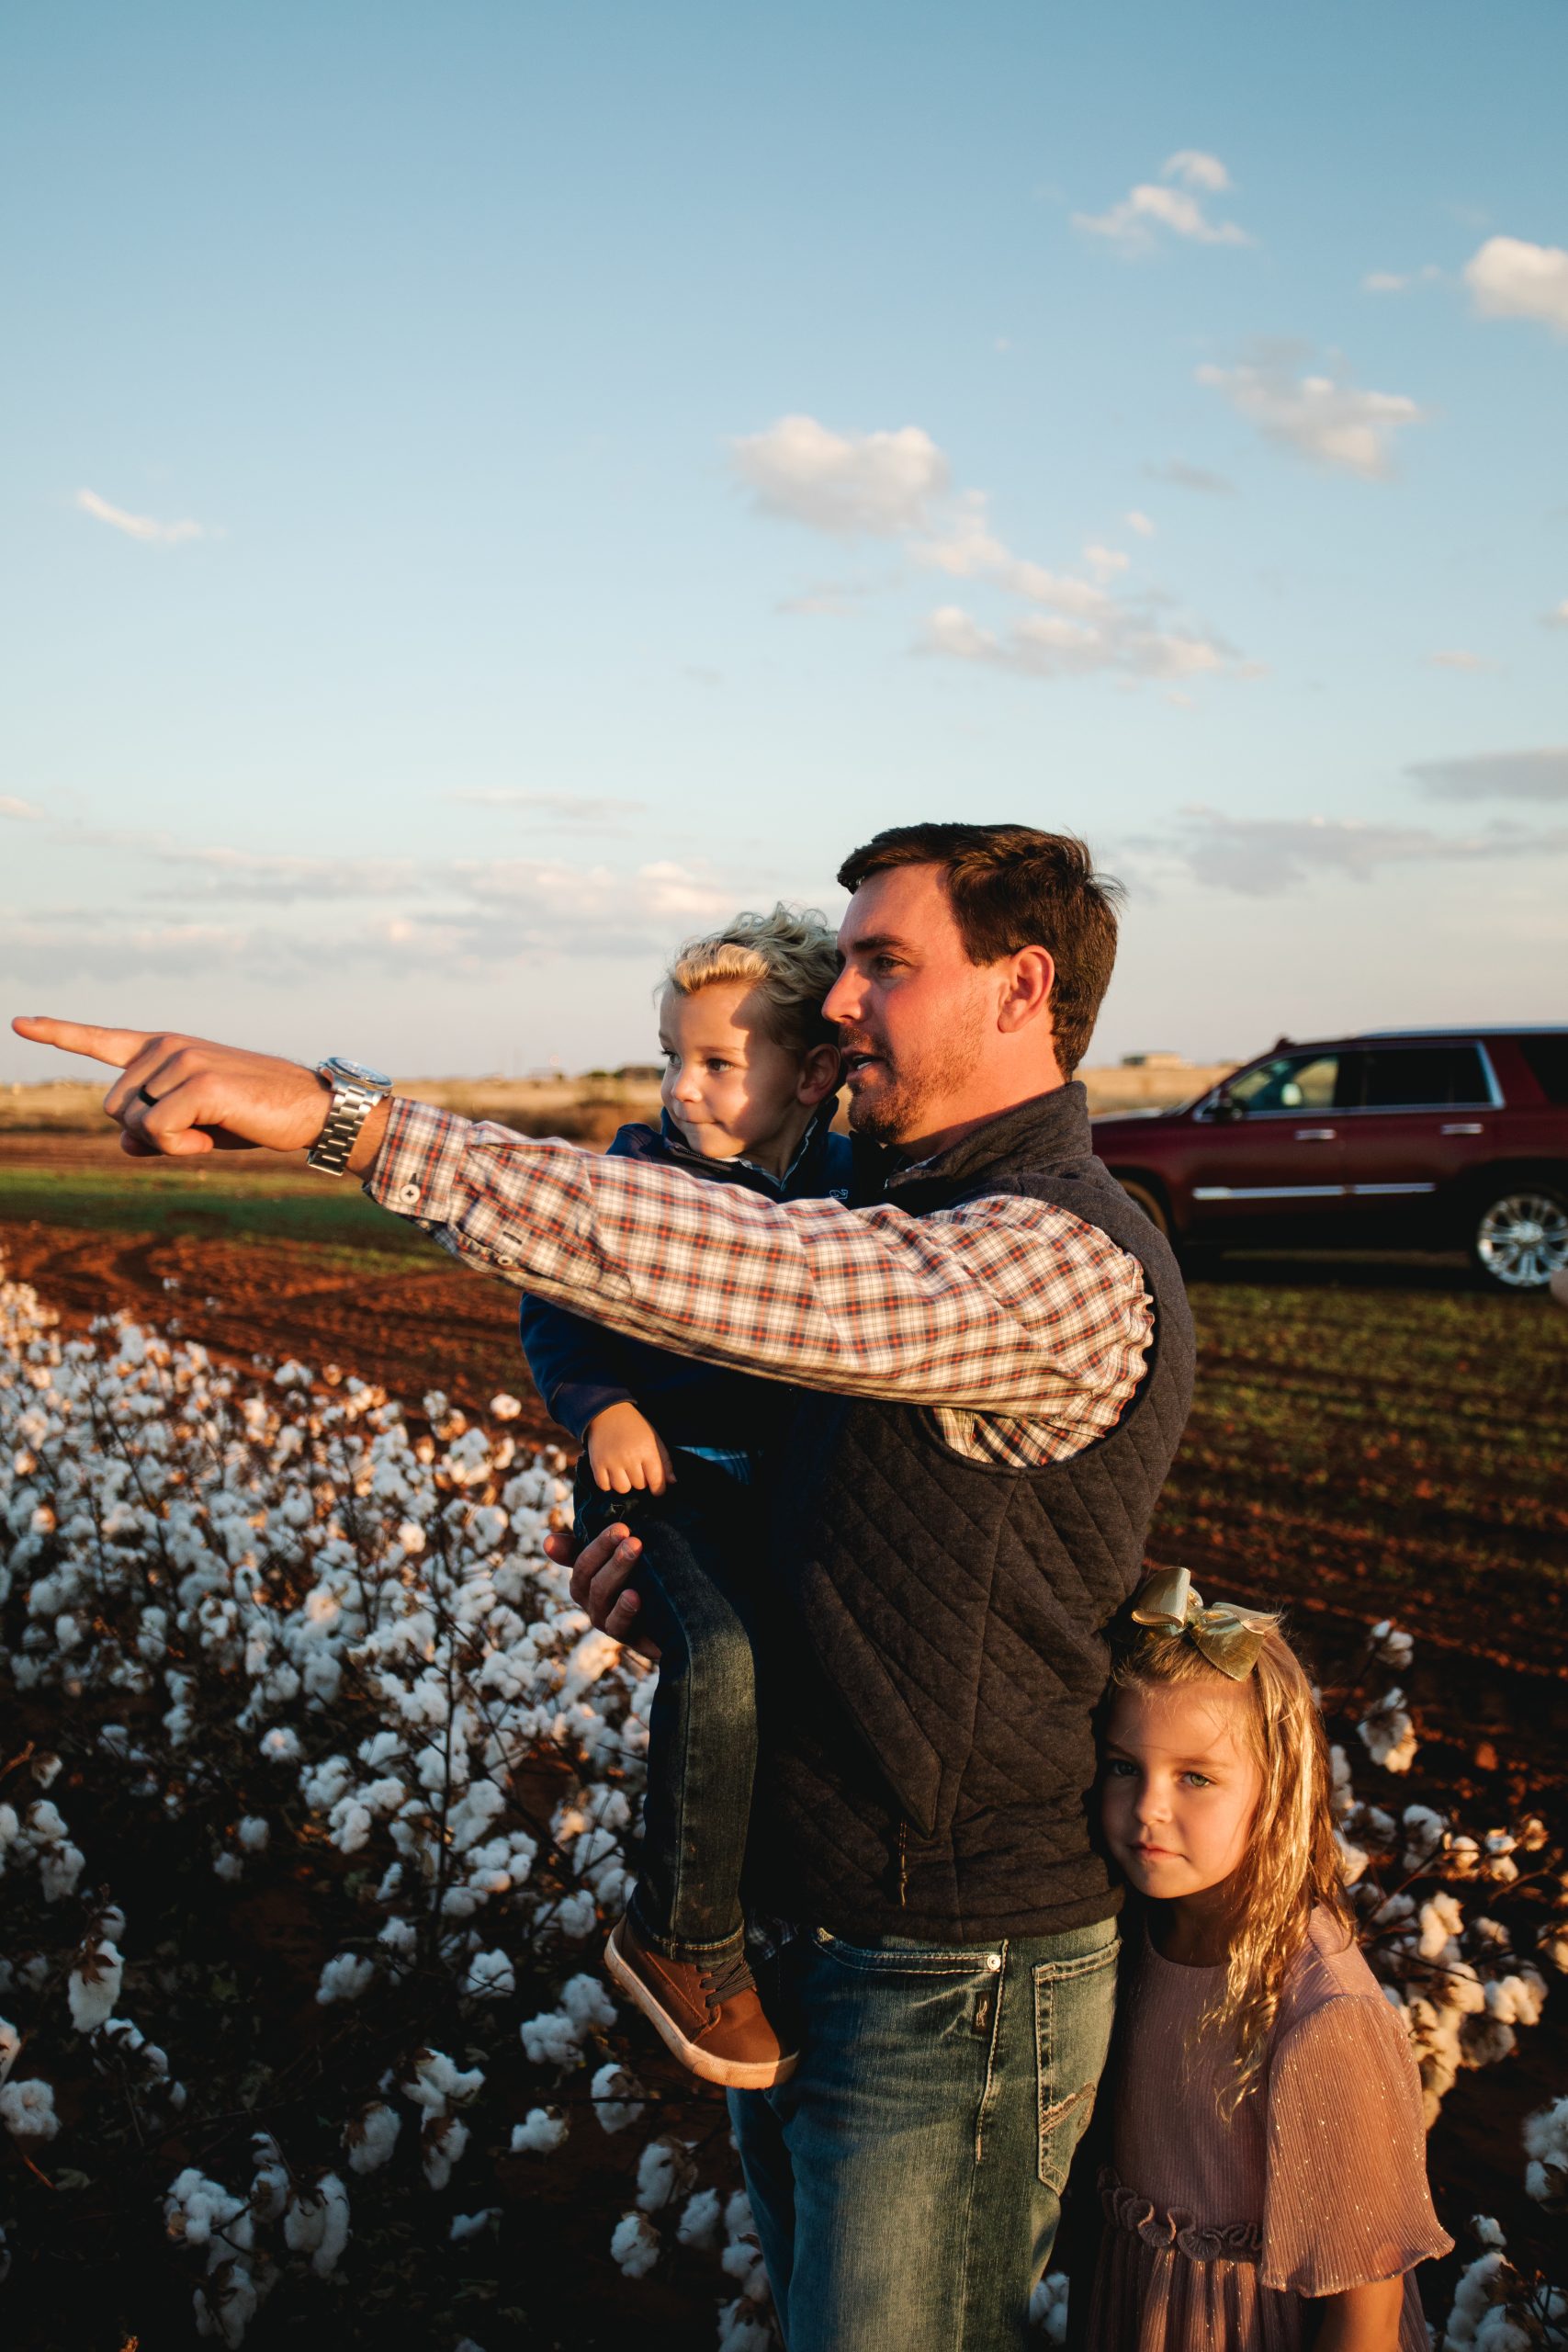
(1022, 1329)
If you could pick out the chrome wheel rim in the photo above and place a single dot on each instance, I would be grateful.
(1522, 1240)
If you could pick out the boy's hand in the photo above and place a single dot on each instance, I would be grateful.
(626, 1452)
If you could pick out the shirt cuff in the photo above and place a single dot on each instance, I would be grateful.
(416, 1170)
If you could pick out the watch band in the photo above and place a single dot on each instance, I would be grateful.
(351, 1105)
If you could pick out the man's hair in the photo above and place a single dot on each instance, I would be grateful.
(790, 958)
(1012, 888)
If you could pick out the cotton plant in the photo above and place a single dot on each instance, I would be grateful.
(1498, 2308)
(1460, 1925)
(304, 1638)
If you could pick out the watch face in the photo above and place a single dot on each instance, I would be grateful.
(358, 1073)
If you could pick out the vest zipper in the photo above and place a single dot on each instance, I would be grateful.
(902, 1865)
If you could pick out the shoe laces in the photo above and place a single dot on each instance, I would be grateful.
(726, 1977)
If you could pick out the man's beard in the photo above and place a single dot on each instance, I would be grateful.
(909, 1102)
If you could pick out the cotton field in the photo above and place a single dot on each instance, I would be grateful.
(315, 1793)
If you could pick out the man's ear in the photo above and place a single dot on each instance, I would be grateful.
(1026, 994)
(821, 1070)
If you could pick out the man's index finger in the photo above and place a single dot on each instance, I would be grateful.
(115, 1046)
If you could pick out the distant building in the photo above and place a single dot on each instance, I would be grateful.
(640, 1073)
(1154, 1061)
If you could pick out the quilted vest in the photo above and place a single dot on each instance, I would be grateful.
(931, 1646)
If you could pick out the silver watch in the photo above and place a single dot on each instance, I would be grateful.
(355, 1092)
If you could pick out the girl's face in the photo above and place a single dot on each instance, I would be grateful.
(1179, 1786)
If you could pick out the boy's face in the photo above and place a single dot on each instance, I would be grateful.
(728, 1085)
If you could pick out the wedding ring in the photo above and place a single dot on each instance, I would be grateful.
(142, 1096)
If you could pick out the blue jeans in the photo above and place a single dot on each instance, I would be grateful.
(907, 2180)
(702, 1743)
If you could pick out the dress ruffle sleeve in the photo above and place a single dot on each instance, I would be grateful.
(1346, 2200)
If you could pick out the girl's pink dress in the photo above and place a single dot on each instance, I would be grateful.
(1216, 2233)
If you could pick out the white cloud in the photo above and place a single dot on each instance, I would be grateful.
(1264, 855)
(1060, 646)
(1176, 472)
(223, 873)
(137, 526)
(1510, 278)
(879, 485)
(1322, 418)
(22, 811)
(1395, 281)
(1137, 521)
(1456, 659)
(1133, 219)
(556, 812)
(1540, 774)
(1195, 169)
(953, 533)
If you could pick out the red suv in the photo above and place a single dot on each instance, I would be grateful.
(1410, 1140)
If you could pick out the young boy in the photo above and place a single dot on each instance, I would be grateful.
(670, 1446)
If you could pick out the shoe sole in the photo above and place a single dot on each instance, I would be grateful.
(731, 2073)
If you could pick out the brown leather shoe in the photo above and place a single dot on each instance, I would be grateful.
(709, 2014)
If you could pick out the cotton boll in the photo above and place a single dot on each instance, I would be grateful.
(634, 2244)
(664, 2172)
(470, 2225)
(701, 2221)
(345, 1978)
(442, 2141)
(228, 1867)
(587, 2004)
(93, 1987)
(27, 2108)
(616, 2098)
(551, 2039)
(577, 1916)
(491, 1976)
(1048, 2307)
(541, 2130)
(253, 1833)
(280, 1744)
(372, 2137)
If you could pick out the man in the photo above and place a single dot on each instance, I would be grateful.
(994, 1364)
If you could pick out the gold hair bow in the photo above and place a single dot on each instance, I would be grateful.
(1226, 1634)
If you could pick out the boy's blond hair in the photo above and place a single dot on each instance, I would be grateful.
(790, 958)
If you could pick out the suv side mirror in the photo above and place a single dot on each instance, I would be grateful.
(1225, 1106)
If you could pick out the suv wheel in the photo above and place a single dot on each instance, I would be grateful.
(1520, 1237)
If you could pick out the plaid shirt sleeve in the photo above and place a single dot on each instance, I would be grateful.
(1022, 1330)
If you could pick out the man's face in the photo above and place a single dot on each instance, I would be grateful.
(915, 1015)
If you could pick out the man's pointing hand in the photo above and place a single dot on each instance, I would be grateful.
(184, 1095)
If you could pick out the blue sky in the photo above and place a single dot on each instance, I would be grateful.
(490, 488)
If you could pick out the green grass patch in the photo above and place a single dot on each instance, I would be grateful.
(211, 1203)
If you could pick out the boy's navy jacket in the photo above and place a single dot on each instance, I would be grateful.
(579, 1367)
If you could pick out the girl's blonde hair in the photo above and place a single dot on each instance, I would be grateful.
(1290, 1865)
(790, 958)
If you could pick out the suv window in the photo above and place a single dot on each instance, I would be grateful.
(1422, 1078)
(1547, 1059)
(1287, 1083)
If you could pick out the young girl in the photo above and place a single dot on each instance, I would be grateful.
(1267, 2184)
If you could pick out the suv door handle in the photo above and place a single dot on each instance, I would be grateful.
(1314, 1134)
(1463, 1127)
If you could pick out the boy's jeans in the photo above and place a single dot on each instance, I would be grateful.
(907, 2180)
(702, 1754)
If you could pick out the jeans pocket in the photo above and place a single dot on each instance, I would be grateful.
(1075, 2002)
(901, 1956)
